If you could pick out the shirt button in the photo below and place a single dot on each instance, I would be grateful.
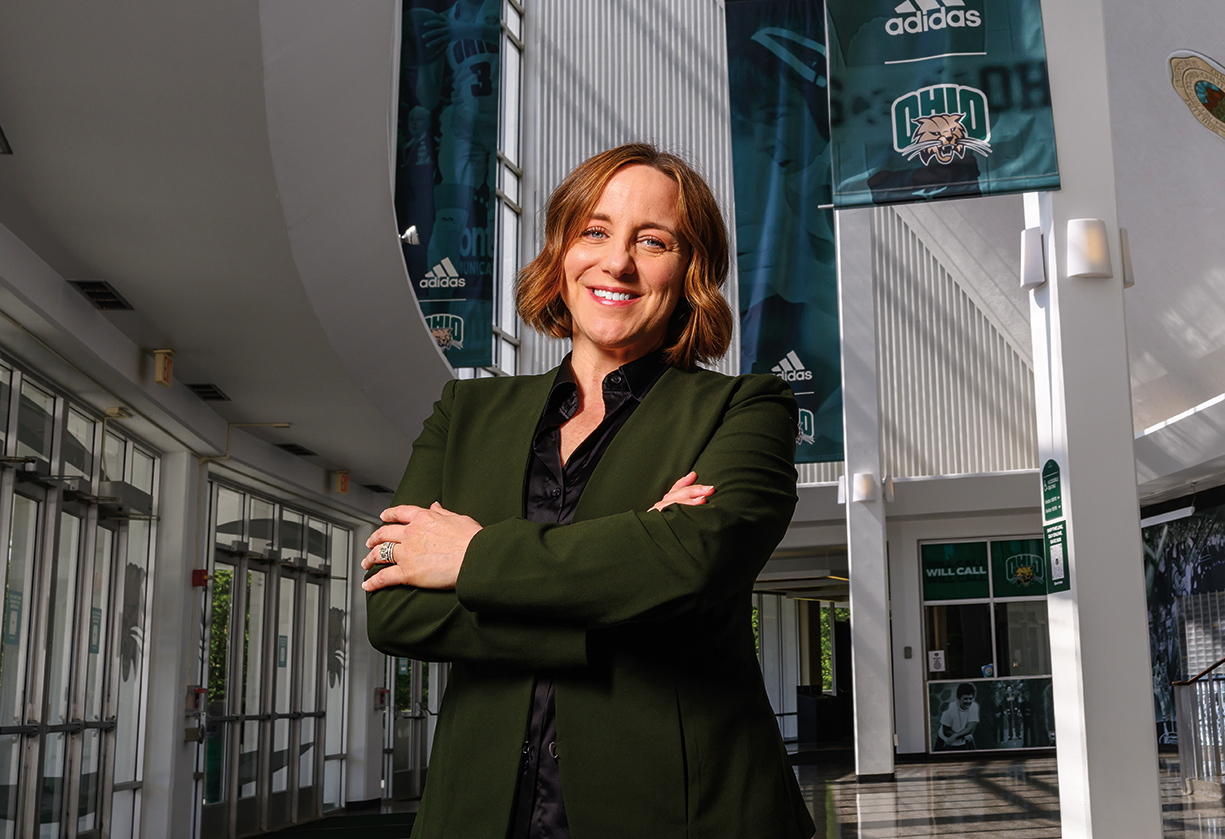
(615, 378)
(556, 493)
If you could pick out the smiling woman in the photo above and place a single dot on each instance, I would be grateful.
(552, 541)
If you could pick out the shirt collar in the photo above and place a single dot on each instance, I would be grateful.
(636, 377)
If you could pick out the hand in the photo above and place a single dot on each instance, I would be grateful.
(686, 492)
(428, 547)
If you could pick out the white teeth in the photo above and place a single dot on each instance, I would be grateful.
(611, 295)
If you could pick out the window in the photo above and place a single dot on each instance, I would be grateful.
(987, 645)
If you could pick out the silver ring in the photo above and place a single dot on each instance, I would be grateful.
(387, 552)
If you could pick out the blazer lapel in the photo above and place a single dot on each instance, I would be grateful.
(644, 452)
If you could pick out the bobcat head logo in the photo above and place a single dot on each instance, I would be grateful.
(942, 137)
(444, 337)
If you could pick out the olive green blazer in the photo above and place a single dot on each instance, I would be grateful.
(664, 727)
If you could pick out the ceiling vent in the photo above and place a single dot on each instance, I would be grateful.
(5, 148)
(378, 488)
(209, 393)
(294, 448)
(102, 295)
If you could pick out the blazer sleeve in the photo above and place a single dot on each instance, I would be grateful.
(652, 565)
(433, 625)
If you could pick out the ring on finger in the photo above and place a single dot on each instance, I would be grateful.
(387, 552)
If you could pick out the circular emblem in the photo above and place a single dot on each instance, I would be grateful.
(1200, 82)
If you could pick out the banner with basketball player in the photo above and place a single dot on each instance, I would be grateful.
(784, 223)
(446, 159)
(934, 99)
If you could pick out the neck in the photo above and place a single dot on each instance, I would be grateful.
(590, 365)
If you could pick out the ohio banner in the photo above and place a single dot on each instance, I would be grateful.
(446, 154)
(934, 99)
(784, 237)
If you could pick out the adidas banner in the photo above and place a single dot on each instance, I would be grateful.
(446, 158)
(784, 237)
(935, 99)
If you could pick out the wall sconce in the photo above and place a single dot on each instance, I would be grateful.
(864, 487)
(842, 489)
(1129, 276)
(1088, 248)
(1033, 263)
(410, 236)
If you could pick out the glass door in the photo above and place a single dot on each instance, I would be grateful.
(97, 606)
(253, 722)
(283, 747)
(23, 525)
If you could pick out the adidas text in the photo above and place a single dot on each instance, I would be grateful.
(929, 16)
(794, 375)
(443, 282)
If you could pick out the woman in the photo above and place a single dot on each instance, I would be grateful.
(597, 612)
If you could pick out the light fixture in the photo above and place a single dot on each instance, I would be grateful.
(864, 487)
(1088, 249)
(410, 236)
(1129, 276)
(1033, 264)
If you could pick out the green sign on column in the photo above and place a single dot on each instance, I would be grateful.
(1052, 492)
(955, 571)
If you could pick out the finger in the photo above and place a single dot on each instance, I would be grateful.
(402, 514)
(441, 510)
(681, 483)
(391, 575)
(389, 533)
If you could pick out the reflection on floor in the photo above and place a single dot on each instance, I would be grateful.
(974, 800)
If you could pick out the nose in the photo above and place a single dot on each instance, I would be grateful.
(619, 258)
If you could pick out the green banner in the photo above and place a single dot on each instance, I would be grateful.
(955, 571)
(784, 223)
(933, 99)
(1018, 568)
(446, 168)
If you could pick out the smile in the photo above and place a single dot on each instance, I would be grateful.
(603, 294)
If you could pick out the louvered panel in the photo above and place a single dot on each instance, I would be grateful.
(597, 74)
(820, 473)
(955, 397)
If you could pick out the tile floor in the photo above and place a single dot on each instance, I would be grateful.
(973, 800)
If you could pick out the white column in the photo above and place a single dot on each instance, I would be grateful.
(865, 520)
(1104, 724)
(173, 638)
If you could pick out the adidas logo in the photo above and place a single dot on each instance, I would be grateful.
(791, 369)
(927, 15)
(443, 275)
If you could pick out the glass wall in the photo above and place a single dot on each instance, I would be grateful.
(987, 645)
(72, 665)
(275, 671)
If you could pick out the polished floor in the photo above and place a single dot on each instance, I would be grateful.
(973, 800)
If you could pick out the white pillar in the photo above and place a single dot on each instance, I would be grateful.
(1104, 723)
(865, 520)
(173, 639)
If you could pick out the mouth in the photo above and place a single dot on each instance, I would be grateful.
(612, 295)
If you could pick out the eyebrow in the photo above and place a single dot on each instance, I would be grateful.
(650, 224)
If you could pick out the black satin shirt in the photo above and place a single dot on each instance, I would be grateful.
(550, 495)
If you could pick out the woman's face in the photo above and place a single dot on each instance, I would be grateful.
(625, 273)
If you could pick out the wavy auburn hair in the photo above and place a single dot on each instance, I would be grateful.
(701, 327)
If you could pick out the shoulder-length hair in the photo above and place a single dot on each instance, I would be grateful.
(701, 327)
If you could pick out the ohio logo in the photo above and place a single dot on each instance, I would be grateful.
(448, 330)
(940, 122)
(927, 15)
(1023, 570)
(807, 431)
(791, 369)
